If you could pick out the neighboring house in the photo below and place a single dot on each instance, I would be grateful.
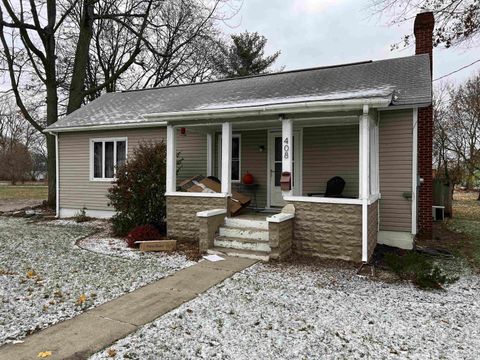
(369, 123)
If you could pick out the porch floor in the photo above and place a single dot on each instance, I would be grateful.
(256, 214)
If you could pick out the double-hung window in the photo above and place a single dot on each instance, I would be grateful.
(106, 155)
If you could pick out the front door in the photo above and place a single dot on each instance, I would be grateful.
(275, 166)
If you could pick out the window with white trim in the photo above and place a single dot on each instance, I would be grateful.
(106, 156)
(236, 157)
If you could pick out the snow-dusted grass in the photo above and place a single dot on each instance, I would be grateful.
(309, 312)
(43, 273)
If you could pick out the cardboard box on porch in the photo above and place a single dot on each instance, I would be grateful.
(199, 183)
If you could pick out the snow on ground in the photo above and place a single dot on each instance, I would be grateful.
(288, 311)
(43, 274)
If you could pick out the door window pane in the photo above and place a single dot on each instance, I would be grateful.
(97, 160)
(121, 153)
(109, 162)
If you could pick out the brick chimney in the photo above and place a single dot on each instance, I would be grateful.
(423, 30)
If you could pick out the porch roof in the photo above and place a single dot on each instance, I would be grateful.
(403, 81)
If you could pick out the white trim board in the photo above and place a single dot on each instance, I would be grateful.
(324, 200)
(197, 194)
(98, 214)
(399, 239)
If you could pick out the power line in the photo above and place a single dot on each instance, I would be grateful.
(453, 72)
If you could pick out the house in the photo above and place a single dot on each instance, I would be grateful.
(369, 123)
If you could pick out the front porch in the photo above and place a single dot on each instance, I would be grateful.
(308, 150)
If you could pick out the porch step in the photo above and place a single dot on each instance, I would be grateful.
(241, 244)
(246, 223)
(248, 254)
(259, 234)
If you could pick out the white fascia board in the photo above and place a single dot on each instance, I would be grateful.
(107, 127)
(309, 106)
(404, 107)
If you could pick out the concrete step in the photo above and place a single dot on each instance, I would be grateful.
(246, 223)
(241, 244)
(248, 254)
(244, 233)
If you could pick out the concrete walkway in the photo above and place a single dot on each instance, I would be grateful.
(96, 329)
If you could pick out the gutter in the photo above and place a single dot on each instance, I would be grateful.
(57, 179)
(106, 127)
(274, 109)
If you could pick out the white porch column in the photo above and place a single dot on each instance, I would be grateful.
(364, 154)
(209, 154)
(287, 150)
(227, 158)
(171, 181)
(364, 176)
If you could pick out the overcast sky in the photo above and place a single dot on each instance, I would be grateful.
(313, 33)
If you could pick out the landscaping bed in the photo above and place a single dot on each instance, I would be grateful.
(298, 311)
(45, 277)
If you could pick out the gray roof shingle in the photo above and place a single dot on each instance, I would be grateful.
(407, 78)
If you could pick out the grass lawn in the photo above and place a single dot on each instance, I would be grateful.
(46, 278)
(23, 192)
(466, 221)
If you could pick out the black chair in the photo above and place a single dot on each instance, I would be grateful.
(335, 188)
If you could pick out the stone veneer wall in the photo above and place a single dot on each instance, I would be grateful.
(372, 228)
(328, 230)
(182, 220)
(280, 239)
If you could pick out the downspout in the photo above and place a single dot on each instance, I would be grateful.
(57, 178)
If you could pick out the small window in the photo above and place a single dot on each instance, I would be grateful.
(107, 156)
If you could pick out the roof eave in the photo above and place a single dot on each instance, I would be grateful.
(125, 125)
(162, 119)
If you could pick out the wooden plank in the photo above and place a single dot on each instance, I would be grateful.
(158, 245)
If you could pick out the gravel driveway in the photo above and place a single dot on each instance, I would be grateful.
(45, 277)
(290, 311)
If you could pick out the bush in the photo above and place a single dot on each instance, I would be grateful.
(142, 233)
(418, 268)
(138, 194)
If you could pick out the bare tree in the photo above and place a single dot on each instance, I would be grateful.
(464, 134)
(47, 49)
(457, 133)
(456, 21)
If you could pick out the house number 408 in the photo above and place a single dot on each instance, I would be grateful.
(286, 148)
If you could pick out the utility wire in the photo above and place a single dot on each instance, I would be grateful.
(453, 72)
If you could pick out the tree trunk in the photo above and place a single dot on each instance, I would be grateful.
(76, 94)
(478, 199)
(52, 98)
